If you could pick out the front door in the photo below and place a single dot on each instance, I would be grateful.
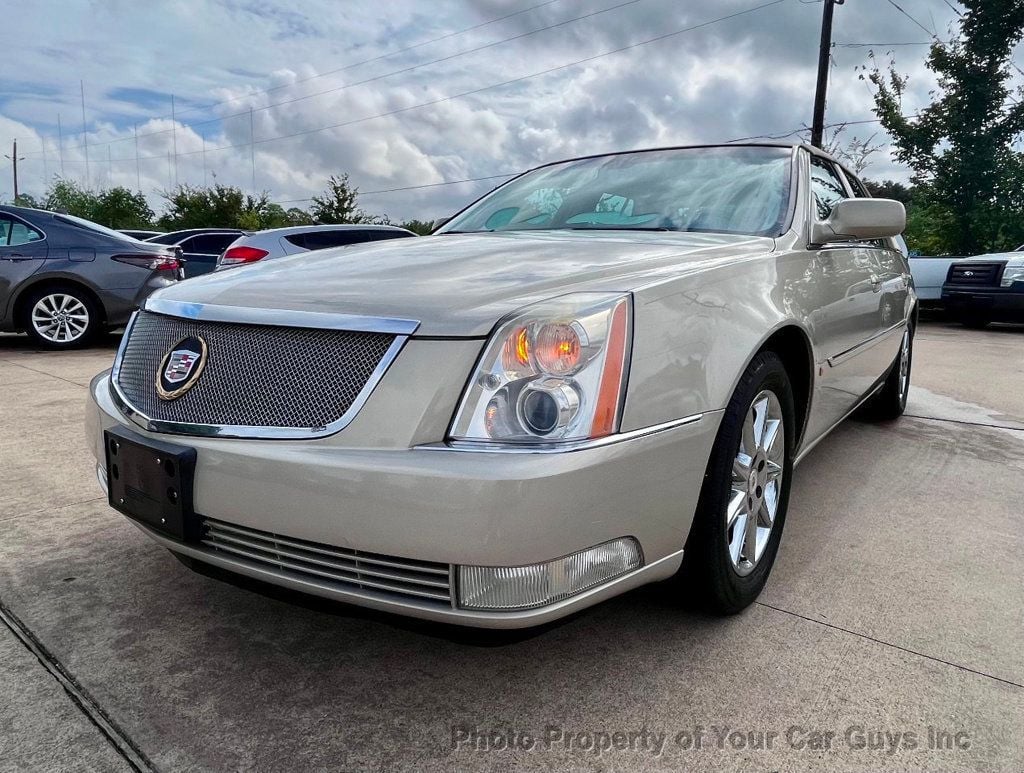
(845, 321)
(22, 252)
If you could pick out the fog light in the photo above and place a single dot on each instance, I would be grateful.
(521, 587)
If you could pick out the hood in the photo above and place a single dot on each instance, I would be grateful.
(1014, 258)
(459, 285)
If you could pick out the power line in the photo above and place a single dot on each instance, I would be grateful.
(479, 90)
(414, 187)
(352, 65)
(343, 87)
(898, 8)
(876, 45)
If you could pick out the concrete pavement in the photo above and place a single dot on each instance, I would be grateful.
(893, 622)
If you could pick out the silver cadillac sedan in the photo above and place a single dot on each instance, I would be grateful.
(599, 375)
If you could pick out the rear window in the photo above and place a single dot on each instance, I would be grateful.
(212, 244)
(320, 240)
(381, 235)
(88, 225)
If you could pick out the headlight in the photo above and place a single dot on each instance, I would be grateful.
(1012, 274)
(555, 371)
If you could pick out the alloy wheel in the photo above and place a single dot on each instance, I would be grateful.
(60, 318)
(756, 482)
(905, 365)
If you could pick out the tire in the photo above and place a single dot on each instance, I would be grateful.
(716, 567)
(891, 400)
(61, 317)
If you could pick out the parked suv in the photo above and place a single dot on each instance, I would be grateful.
(986, 289)
(200, 247)
(63, 279)
(279, 242)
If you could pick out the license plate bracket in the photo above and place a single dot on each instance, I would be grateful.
(150, 481)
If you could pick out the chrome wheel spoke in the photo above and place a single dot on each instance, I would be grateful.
(757, 479)
(735, 508)
(60, 318)
(738, 537)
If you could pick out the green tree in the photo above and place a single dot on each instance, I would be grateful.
(421, 227)
(961, 145)
(121, 208)
(69, 197)
(115, 207)
(340, 204)
(26, 200)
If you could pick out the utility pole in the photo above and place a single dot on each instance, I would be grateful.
(138, 174)
(60, 145)
(824, 53)
(174, 139)
(14, 162)
(85, 139)
(252, 151)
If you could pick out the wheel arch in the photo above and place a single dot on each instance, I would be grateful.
(19, 305)
(791, 342)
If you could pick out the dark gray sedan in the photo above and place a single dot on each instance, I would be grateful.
(64, 279)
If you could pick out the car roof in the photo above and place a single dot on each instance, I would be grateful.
(791, 144)
(186, 232)
(302, 229)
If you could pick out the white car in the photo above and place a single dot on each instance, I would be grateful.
(930, 273)
(279, 242)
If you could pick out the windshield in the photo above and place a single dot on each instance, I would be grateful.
(740, 190)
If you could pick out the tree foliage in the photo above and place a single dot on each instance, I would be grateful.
(115, 207)
(215, 206)
(421, 227)
(340, 204)
(960, 147)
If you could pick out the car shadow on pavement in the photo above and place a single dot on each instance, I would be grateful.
(11, 343)
(666, 598)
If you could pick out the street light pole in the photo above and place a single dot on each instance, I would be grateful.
(824, 51)
(14, 162)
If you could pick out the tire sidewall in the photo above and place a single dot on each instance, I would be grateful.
(83, 340)
(707, 549)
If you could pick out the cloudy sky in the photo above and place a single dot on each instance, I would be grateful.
(407, 93)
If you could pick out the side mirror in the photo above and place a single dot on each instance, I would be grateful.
(859, 219)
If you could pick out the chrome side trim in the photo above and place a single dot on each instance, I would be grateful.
(810, 446)
(839, 359)
(478, 446)
(247, 315)
(242, 431)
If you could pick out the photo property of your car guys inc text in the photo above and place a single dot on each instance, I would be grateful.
(571, 385)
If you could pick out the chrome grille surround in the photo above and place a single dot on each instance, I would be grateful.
(280, 374)
(344, 568)
(975, 274)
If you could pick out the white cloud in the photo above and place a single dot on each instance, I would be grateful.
(747, 76)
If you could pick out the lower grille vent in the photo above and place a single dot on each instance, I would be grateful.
(345, 568)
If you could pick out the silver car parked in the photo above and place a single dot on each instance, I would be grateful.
(294, 240)
(599, 375)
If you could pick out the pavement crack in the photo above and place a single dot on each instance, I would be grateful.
(53, 507)
(111, 730)
(44, 373)
(964, 421)
(893, 646)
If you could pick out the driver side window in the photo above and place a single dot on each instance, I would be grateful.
(826, 187)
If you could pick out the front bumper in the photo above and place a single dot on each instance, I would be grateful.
(1000, 304)
(446, 506)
